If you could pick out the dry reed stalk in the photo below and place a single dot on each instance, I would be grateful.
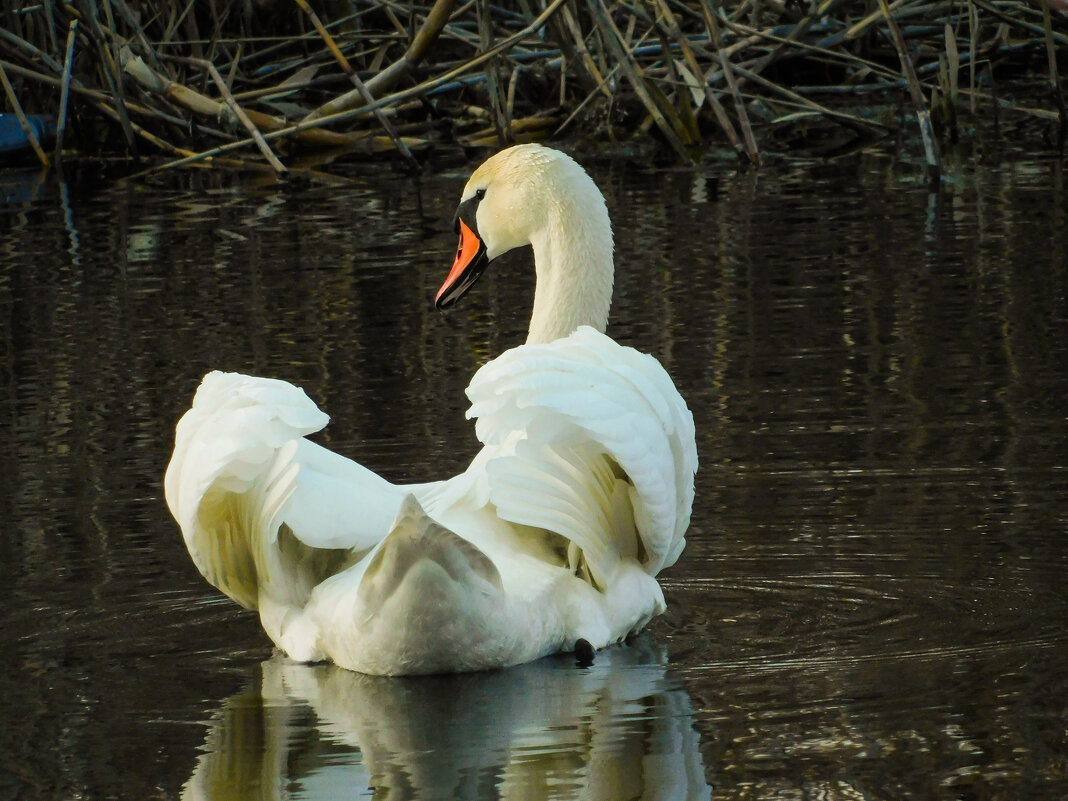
(109, 67)
(682, 102)
(493, 76)
(403, 31)
(1038, 30)
(524, 128)
(92, 95)
(32, 49)
(509, 109)
(575, 112)
(239, 112)
(951, 81)
(1001, 103)
(232, 74)
(285, 42)
(360, 143)
(355, 79)
(725, 65)
(857, 29)
(27, 129)
(64, 91)
(182, 95)
(1056, 91)
(671, 51)
(201, 104)
(675, 30)
(851, 121)
(390, 100)
(430, 84)
(973, 32)
(800, 29)
(843, 56)
(660, 115)
(50, 16)
(387, 78)
(933, 162)
(324, 34)
(147, 135)
(571, 37)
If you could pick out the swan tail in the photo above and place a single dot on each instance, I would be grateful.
(416, 539)
(585, 404)
(426, 600)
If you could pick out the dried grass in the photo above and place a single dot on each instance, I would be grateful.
(267, 77)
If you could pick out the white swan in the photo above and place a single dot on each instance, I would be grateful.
(553, 535)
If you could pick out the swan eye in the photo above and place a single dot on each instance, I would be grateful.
(468, 208)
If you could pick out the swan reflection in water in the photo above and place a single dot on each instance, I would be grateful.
(620, 729)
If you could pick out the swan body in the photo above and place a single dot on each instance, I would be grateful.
(580, 495)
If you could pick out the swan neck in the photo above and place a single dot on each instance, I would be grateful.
(575, 272)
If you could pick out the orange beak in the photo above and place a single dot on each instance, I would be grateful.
(468, 265)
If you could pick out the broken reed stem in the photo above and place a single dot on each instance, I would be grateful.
(933, 163)
(139, 33)
(208, 107)
(257, 137)
(571, 37)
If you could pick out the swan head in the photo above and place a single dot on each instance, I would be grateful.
(534, 195)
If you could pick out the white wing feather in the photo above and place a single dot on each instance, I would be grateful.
(550, 409)
(241, 469)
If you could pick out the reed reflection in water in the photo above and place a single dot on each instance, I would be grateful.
(619, 729)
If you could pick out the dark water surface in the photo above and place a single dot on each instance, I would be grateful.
(874, 600)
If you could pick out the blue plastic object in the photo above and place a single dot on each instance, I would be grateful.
(14, 139)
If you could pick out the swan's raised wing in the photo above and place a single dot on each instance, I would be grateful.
(241, 469)
(583, 427)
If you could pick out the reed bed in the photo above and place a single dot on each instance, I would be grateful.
(253, 83)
